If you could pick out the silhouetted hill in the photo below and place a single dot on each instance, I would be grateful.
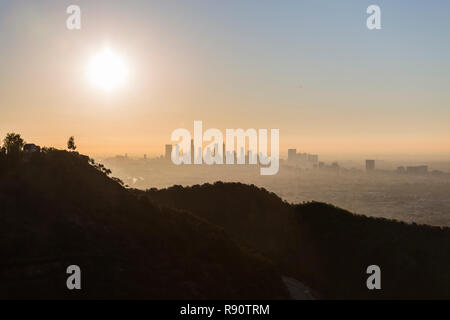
(325, 247)
(57, 209)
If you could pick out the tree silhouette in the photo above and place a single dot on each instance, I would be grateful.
(2, 157)
(71, 144)
(13, 143)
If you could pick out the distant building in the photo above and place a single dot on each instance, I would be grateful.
(313, 158)
(177, 150)
(168, 154)
(192, 151)
(241, 159)
(417, 170)
(231, 155)
(370, 165)
(292, 154)
(208, 155)
(304, 159)
(401, 170)
(216, 149)
(223, 152)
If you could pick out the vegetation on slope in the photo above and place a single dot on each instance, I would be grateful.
(58, 209)
(327, 248)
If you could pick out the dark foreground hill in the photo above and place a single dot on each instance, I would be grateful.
(57, 209)
(325, 247)
(203, 242)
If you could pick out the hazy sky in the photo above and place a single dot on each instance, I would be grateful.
(309, 68)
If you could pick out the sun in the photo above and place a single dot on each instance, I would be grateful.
(107, 70)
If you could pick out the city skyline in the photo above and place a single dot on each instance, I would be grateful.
(296, 159)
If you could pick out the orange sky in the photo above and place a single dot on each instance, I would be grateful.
(330, 92)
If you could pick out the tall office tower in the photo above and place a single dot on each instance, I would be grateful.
(168, 154)
(250, 157)
(192, 151)
(208, 155)
(216, 149)
(177, 151)
(370, 165)
(241, 159)
(229, 158)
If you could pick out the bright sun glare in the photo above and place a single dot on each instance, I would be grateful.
(107, 70)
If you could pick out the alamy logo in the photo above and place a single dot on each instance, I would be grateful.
(374, 280)
(74, 280)
(374, 20)
(219, 151)
(73, 22)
